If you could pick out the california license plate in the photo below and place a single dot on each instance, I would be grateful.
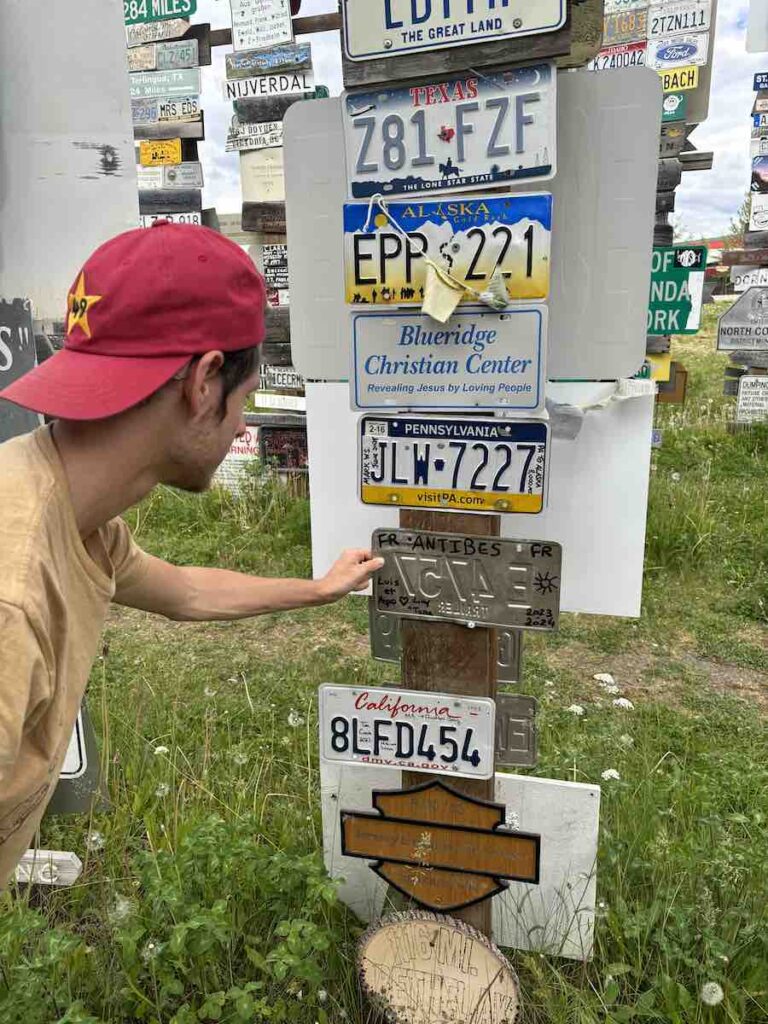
(483, 581)
(471, 238)
(383, 28)
(466, 465)
(464, 132)
(670, 19)
(408, 730)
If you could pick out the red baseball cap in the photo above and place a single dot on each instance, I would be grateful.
(143, 304)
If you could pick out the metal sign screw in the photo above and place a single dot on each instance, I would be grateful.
(387, 44)
(518, 23)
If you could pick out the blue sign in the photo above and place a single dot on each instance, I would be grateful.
(760, 81)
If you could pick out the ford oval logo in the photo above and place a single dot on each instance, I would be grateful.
(678, 51)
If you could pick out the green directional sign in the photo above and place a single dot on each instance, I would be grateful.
(677, 289)
(138, 11)
(674, 107)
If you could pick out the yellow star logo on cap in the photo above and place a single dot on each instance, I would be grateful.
(79, 303)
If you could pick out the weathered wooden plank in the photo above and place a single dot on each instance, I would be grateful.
(268, 218)
(663, 234)
(670, 175)
(210, 218)
(288, 57)
(744, 257)
(756, 239)
(665, 202)
(586, 22)
(406, 67)
(271, 108)
(696, 160)
(170, 200)
(275, 353)
(171, 130)
(278, 326)
(202, 33)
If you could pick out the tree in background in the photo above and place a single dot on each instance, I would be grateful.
(734, 238)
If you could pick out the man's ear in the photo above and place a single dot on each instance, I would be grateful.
(202, 386)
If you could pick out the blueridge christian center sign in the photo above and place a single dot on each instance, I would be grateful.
(677, 289)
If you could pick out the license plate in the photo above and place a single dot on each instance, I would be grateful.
(157, 152)
(611, 6)
(464, 132)
(625, 27)
(408, 730)
(679, 79)
(676, 18)
(471, 238)
(479, 359)
(383, 28)
(193, 217)
(485, 581)
(186, 175)
(629, 55)
(460, 464)
(678, 51)
(386, 644)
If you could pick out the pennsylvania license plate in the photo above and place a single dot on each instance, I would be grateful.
(466, 465)
(485, 581)
(471, 238)
(408, 730)
(464, 132)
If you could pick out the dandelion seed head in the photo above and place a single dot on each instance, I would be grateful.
(294, 719)
(711, 993)
(675, 477)
(163, 789)
(121, 909)
(150, 951)
(239, 757)
(95, 841)
(209, 692)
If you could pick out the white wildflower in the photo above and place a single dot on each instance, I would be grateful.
(611, 690)
(512, 819)
(625, 740)
(576, 709)
(674, 477)
(95, 841)
(160, 750)
(163, 789)
(239, 757)
(624, 704)
(548, 682)
(711, 993)
(294, 719)
(322, 995)
(609, 774)
(604, 678)
(209, 692)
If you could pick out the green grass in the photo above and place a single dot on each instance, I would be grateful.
(207, 900)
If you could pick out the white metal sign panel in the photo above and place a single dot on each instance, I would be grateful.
(384, 28)
(758, 210)
(260, 23)
(479, 359)
(262, 135)
(262, 177)
(748, 277)
(193, 217)
(284, 84)
(164, 83)
(605, 469)
(678, 51)
(184, 175)
(151, 31)
(75, 759)
(554, 917)
(678, 18)
(752, 406)
(409, 730)
(608, 131)
(466, 132)
(745, 324)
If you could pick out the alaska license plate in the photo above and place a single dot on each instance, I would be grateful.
(384, 28)
(471, 238)
(411, 730)
(484, 581)
(458, 464)
(464, 132)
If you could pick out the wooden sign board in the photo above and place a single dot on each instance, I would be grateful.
(17, 357)
(137, 11)
(273, 108)
(154, 109)
(56, 868)
(420, 968)
(264, 86)
(170, 200)
(184, 53)
(155, 31)
(190, 130)
(466, 858)
(257, 24)
(246, 137)
(164, 83)
(289, 57)
(673, 390)
(183, 175)
(268, 218)
(159, 152)
(261, 176)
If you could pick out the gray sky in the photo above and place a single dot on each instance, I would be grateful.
(706, 200)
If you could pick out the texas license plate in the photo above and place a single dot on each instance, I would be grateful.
(464, 132)
(684, 16)
(383, 28)
(466, 465)
(387, 645)
(485, 581)
(471, 238)
(408, 730)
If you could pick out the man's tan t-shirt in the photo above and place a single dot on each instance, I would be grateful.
(54, 598)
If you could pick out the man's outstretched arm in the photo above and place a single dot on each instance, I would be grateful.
(194, 594)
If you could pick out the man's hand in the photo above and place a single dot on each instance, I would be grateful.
(352, 570)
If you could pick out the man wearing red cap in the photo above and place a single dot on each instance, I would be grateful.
(161, 353)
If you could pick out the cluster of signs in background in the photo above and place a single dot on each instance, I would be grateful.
(164, 61)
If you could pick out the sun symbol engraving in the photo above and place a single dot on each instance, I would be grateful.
(544, 583)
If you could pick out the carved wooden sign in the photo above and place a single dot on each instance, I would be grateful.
(439, 847)
(420, 968)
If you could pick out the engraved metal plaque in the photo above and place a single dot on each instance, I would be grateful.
(516, 739)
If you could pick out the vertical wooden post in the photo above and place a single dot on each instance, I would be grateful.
(445, 657)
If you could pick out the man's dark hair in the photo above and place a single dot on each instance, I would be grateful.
(237, 367)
